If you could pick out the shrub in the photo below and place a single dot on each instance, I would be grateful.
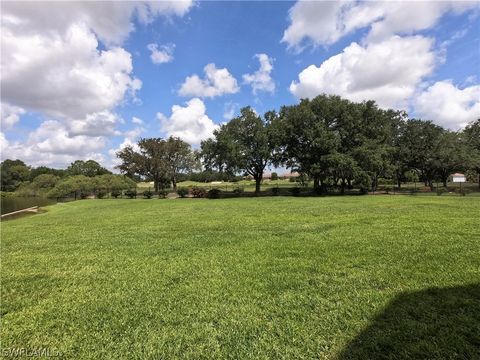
(292, 179)
(147, 194)
(214, 193)
(101, 194)
(274, 176)
(464, 192)
(238, 191)
(441, 191)
(275, 191)
(182, 192)
(363, 181)
(295, 191)
(116, 193)
(131, 194)
(162, 194)
(198, 192)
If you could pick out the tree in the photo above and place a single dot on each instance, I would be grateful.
(451, 156)
(419, 142)
(157, 160)
(340, 167)
(45, 181)
(46, 170)
(78, 185)
(112, 183)
(471, 136)
(146, 161)
(178, 158)
(88, 168)
(303, 139)
(242, 145)
(13, 173)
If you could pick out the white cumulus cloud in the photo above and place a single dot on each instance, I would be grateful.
(64, 60)
(64, 75)
(137, 121)
(51, 144)
(10, 115)
(111, 21)
(261, 79)
(216, 82)
(387, 72)
(161, 54)
(101, 123)
(189, 122)
(325, 22)
(447, 105)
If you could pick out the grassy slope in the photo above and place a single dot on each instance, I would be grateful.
(243, 278)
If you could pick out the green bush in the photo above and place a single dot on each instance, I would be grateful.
(274, 176)
(131, 194)
(295, 191)
(101, 194)
(363, 182)
(116, 193)
(441, 191)
(162, 194)
(182, 192)
(147, 194)
(238, 191)
(213, 193)
(464, 192)
(275, 191)
(198, 192)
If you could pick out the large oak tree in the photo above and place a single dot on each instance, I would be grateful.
(242, 145)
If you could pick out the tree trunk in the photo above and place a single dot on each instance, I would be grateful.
(155, 185)
(374, 184)
(343, 186)
(349, 182)
(430, 184)
(399, 182)
(316, 182)
(174, 183)
(258, 181)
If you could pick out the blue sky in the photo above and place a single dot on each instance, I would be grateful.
(84, 85)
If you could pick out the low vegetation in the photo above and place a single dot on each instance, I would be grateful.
(350, 277)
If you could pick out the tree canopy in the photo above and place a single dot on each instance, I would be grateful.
(244, 145)
(158, 160)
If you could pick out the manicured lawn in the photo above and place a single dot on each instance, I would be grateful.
(335, 277)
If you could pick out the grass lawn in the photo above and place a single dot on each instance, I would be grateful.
(361, 277)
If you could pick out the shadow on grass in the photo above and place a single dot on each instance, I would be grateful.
(437, 323)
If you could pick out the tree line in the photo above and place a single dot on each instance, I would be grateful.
(334, 142)
(340, 143)
(81, 179)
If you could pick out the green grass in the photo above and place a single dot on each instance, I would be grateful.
(362, 277)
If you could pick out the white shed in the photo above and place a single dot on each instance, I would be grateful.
(459, 178)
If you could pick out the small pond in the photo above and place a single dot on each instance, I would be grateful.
(10, 204)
